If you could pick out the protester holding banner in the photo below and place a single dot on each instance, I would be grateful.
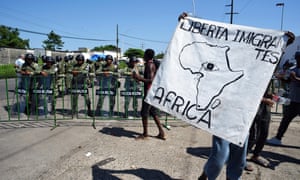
(222, 79)
(293, 109)
(149, 74)
(223, 152)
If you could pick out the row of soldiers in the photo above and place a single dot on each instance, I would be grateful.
(40, 85)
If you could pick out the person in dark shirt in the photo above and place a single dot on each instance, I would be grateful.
(149, 74)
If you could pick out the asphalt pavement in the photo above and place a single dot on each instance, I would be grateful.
(75, 150)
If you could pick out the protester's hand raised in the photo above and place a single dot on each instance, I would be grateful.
(182, 16)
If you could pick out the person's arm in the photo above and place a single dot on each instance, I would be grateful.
(151, 75)
(294, 76)
(139, 77)
(268, 101)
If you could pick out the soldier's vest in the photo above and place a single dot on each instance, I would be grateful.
(81, 77)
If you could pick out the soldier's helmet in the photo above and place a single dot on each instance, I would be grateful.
(79, 57)
(58, 58)
(109, 57)
(133, 59)
(66, 58)
(50, 59)
(29, 57)
(71, 57)
(44, 58)
(36, 59)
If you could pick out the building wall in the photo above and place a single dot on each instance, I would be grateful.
(9, 55)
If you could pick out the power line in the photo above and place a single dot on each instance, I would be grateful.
(67, 37)
(132, 37)
(82, 38)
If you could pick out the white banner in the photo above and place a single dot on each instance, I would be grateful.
(214, 75)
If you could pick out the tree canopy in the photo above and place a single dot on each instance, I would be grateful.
(53, 42)
(106, 47)
(134, 52)
(159, 55)
(139, 53)
(9, 37)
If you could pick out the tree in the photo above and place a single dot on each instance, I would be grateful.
(159, 56)
(9, 37)
(53, 42)
(106, 47)
(134, 52)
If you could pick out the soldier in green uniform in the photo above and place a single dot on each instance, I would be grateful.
(91, 73)
(80, 79)
(48, 85)
(68, 69)
(108, 84)
(99, 64)
(60, 84)
(131, 86)
(30, 72)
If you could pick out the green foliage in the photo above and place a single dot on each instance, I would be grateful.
(7, 71)
(53, 42)
(159, 56)
(122, 65)
(134, 52)
(106, 47)
(10, 38)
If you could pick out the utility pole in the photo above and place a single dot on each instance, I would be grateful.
(231, 12)
(194, 8)
(117, 42)
(282, 7)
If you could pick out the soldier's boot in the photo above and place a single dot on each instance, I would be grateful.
(90, 113)
(74, 111)
(136, 113)
(111, 111)
(52, 109)
(126, 111)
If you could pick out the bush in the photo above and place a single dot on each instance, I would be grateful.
(7, 71)
(122, 65)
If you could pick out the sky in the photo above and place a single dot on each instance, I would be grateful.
(138, 24)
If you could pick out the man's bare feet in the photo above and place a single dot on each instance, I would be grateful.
(161, 136)
(142, 137)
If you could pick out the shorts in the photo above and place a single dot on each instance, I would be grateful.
(148, 109)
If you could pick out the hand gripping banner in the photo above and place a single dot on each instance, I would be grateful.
(213, 75)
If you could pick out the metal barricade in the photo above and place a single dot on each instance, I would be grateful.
(36, 99)
(31, 99)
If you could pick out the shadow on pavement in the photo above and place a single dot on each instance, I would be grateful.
(202, 152)
(284, 146)
(119, 132)
(275, 159)
(146, 174)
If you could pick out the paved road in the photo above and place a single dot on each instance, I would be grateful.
(74, 150)
(8, 84)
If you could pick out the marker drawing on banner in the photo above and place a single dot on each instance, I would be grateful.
(222, 71)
